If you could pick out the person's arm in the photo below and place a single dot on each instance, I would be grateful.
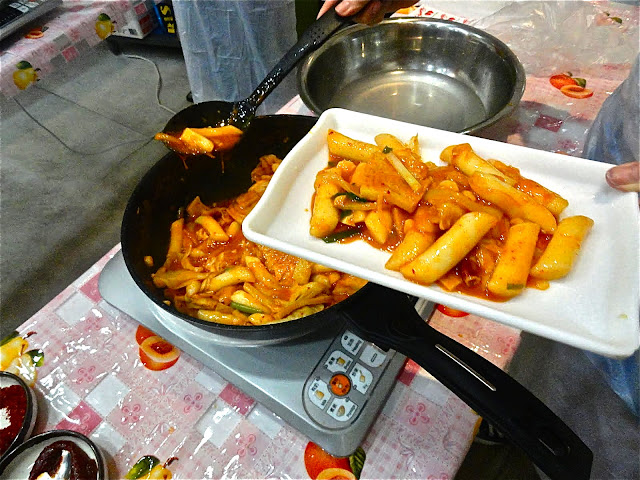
(625, 177)
(365, 11)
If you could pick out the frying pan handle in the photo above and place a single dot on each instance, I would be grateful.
(310, 39)
(388, 318)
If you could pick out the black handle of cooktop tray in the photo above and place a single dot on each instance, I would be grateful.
(388, 319)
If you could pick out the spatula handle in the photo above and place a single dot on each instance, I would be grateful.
(388, 318)
(310, 39)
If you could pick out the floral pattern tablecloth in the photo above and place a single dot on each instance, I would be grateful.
(92, 380)
(90, 376)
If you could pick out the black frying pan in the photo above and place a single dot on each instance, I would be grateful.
(169, 187)
(381, 315)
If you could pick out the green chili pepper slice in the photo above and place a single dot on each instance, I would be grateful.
(350, 196)
(337, 236)
(245, 308)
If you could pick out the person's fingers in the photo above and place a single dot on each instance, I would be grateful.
(371, 14)
(365, 11)
(351, 7)
(327, 5)
(625, 177)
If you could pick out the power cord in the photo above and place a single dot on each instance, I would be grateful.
(68, 147)
(158, 85)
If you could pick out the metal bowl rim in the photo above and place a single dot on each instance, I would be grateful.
(518, 87)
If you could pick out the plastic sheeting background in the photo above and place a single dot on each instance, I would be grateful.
(554, 36)
(614, 135)
(230, 46)
(614, 138)
(593, 40)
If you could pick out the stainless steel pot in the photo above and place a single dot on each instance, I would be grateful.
(430, 72)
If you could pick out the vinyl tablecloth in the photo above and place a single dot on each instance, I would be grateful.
(59, 37)
(92, 379)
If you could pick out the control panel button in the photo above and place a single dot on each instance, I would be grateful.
(361, 378)
(373, 356)
(351, 342)
(342, 409)
(346, 383)
(319, 393)
(338, 362)
(340, 384)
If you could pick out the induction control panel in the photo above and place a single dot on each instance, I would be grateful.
(332, 392)
(340, 385)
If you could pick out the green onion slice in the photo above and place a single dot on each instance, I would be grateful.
(337, 236)
(245, 308)
(350, 196)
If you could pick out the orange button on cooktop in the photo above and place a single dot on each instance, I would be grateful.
(340, 384)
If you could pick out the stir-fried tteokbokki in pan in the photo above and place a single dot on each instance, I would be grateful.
(213, 273)
(201, 141)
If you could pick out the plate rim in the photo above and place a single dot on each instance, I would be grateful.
(607, 347)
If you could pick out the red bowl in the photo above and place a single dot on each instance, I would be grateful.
(30, 410)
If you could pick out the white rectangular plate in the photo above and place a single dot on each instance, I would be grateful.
(594, 308)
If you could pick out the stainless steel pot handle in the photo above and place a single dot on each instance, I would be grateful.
(388, 319)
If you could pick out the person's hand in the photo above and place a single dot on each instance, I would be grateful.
(365, 11)
(625, 177)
